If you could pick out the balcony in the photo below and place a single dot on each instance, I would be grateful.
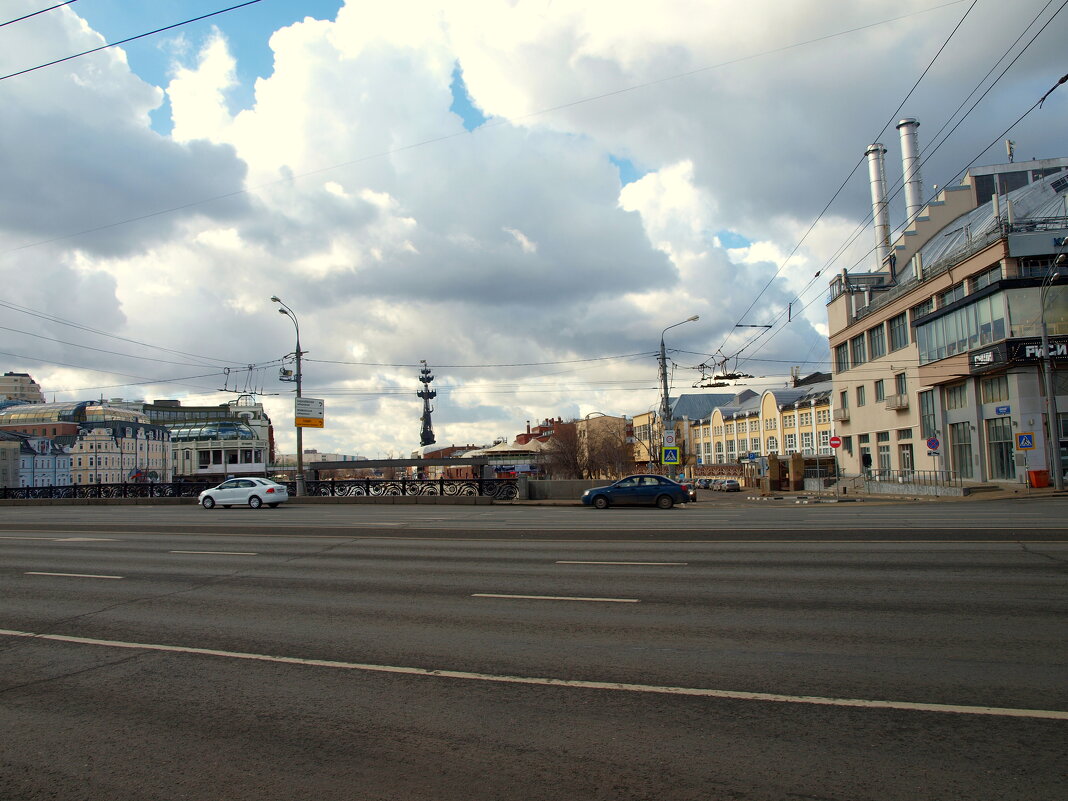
(896, 403)
(840, 415)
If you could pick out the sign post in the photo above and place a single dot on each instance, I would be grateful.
(835, 443)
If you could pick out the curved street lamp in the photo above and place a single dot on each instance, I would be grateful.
(297, 378)
(665, 403)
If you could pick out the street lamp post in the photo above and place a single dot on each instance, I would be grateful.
(300, 431)
(665, 403)
(1053, 434)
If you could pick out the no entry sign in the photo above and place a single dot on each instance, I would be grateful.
(836, 442)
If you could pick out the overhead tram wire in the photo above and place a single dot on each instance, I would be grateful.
(35, 13)
(59, 320)
(129, 39)
(484, 366)
(446, 137)
(851, 172)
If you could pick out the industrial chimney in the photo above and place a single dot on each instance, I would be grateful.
(880, 213)
(910, 167)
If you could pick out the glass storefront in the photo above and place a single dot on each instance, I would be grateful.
(960, 439)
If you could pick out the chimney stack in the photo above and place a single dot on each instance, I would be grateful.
(880, 213)
(910, 166)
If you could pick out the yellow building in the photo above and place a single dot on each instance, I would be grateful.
(777, 421)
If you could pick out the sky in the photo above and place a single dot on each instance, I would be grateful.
(524, 194)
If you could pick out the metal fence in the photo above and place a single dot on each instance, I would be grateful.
(926, 478)
(502, 489)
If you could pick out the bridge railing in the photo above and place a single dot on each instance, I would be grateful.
(497, 488)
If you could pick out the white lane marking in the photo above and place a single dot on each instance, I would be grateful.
(555, 598)
(734, 695)
(62, 539)
(582, 562)
(73, 575)
(224, 553)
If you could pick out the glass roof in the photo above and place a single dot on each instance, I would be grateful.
(211, 430)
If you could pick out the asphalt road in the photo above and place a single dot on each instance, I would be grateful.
(403, 652)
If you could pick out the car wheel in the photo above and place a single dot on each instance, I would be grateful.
(254, 502)
(208, 502)
(665, 502)
(600, 502)
(273, 505)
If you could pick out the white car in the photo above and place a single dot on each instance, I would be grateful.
(252, 491)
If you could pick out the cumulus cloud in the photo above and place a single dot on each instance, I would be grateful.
(505, 255)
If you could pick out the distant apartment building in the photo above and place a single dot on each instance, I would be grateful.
(20, 387)
(100, 443)
(211, 443)
(936, 356)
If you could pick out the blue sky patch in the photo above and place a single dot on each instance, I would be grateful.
(730, 239)
(628, 173)
(462, 106)
(246, 29)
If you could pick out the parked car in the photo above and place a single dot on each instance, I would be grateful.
(731, 485)
(648, 490)
(704, 483)
(716, 484)
(240, 491)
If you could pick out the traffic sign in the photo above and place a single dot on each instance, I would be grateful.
(669, 456)
(669, 439)
(836, 442)
(933, 443)
(309, 412)
(1025, 442)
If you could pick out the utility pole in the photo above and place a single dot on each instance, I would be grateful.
(1053, 433)
(666, 422)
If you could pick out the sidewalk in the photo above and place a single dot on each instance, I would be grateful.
(750, 495)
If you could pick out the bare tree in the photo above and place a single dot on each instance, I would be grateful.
(562, 456)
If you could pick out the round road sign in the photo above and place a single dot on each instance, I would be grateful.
(932, 444)
(836, 442)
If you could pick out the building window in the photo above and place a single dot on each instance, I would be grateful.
(843, 399)
(927, 414)
(986, 278)
(877, 342)
(956, 396)
(880, 391)
(791, 443)
(823, 415)
(805, 419)
(900, 384)
(806, 442)
(899, 331)
(788, 421)
(858, 354)
(864, 439)
(904, 433)
(841, 358)
(951, 295)
(972, 326)
(773, 445)
(922, 309)
(882, 438)
(771, 424)
(860, 395)
(995, 389)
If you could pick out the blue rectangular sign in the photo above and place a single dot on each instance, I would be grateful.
(1002, 410)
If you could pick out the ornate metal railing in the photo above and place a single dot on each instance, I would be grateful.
(182, 489)
(501, 489)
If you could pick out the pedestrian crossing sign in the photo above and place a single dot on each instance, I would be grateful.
(669, 456)
(1025, 442)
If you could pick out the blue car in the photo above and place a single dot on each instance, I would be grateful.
(641, 490)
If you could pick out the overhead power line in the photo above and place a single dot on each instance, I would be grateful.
(446, 137)
(124, 41)
(35, 13)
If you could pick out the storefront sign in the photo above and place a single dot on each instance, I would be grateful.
(1015, 351)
